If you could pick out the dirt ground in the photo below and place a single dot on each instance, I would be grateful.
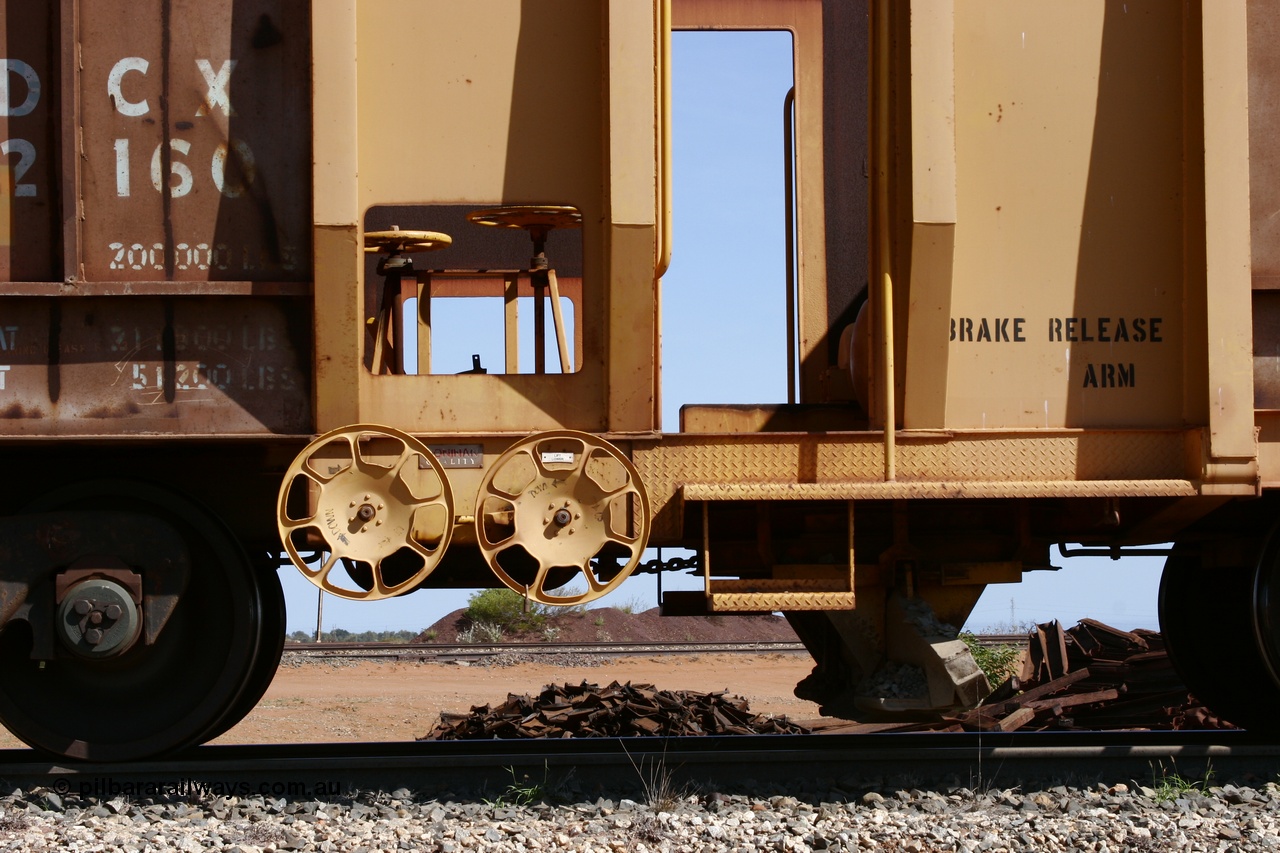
(370, 701)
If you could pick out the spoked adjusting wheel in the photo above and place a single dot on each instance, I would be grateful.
(561, 508)
(371, 499)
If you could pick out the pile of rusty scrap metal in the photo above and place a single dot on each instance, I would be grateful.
(619, 710)
(1091, 677)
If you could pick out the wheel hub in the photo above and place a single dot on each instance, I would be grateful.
(98, 618)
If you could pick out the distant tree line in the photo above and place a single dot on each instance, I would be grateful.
(342, 635)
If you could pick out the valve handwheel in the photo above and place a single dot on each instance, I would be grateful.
(382, 508)
(531, 217)
(558, 505)
(397, 242)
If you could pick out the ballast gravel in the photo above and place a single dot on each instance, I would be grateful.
(1103, 818)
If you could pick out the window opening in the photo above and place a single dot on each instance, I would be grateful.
(724, 309)
(498, 292)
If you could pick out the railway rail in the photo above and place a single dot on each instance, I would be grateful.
(614, 766)
(473, 651)
(460, 651)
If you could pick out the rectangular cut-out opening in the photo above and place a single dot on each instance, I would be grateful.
(473, 289)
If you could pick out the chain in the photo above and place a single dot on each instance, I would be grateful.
(672, 564)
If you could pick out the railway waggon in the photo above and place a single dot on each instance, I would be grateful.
(1033, 298)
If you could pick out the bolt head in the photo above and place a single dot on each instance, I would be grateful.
(93, 636)
(563, 516)
(83, 606)
(366, 512)
(114, 611)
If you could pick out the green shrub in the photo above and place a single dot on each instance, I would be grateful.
(506, 609)
(998, 663)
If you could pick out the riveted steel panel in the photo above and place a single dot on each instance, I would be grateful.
(29, 113)
(195, 140)
(142, 365)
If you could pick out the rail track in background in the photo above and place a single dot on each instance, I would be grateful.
(477, 651)
(612, 767)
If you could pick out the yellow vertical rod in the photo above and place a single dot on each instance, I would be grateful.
(789, 226)
(851, 549)
(510, 325)
(882, 235)
(706, 550)
(557, 320)
(424, 325)
(664, 92)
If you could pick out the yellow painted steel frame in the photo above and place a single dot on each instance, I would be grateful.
(1024, 220)
(495, 124)
(999, 152)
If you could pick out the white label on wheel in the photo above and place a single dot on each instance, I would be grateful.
(548, 458)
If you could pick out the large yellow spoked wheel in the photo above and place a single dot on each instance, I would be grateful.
(377, 505)
(560, 509)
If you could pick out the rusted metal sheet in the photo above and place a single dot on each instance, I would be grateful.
(618, 710)
(195, 140)
(29, 113)
(1264, 154)
(1266, 348)
(146, 365)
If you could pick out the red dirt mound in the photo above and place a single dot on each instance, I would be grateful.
(609, 624)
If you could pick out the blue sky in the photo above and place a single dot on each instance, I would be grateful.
(727, 267)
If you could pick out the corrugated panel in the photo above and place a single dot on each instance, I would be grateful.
(196, 140)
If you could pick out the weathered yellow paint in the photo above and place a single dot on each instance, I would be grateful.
(1228, 283)
(334, 114)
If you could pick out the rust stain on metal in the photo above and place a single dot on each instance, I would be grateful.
(1091, 677)
(193, 365)
(29, 199)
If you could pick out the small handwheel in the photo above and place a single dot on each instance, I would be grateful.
(404, 242)
(558, 505)
(379, 504)
(528, 216)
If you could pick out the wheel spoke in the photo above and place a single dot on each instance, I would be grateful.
(320, 576)
(617, 538)
(291, 524)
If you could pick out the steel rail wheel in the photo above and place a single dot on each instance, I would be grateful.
(1265, 607)
(380, 503)
(1209, 620)
(151, 698)
(271, 628)
(559, 505)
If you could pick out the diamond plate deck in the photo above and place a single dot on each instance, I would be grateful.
(850, 466)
